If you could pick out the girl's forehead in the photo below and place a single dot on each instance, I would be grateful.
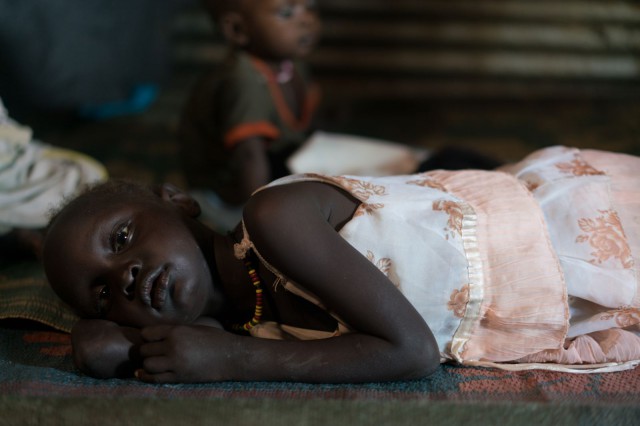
(98, 203)
(93, 211)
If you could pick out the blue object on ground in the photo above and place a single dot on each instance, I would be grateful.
(141, 98)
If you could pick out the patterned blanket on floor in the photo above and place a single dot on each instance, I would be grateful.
(37, 362)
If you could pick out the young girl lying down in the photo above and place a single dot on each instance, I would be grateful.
(355, 279)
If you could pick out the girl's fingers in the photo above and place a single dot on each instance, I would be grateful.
(155, 332)
(156, 365)
(166, 377)
(152, 349)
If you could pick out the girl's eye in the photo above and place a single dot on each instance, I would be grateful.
(120, 238)
(104, 300)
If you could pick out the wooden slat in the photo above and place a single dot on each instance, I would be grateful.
(584, 11)
(339, 90)
(486, 63)
(549, 36)
(429, 62)
(533, 36)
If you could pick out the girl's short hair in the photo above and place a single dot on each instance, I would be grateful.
(108, 189)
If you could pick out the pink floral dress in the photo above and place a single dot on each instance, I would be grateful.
(529, 267)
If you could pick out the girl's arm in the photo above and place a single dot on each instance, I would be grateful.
(294, 229)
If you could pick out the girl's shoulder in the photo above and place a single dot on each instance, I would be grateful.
(298, 207)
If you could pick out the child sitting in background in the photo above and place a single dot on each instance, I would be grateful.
(353, 279)
(242, 121)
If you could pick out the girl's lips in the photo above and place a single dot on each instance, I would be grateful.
(159, 289)
(153, 289)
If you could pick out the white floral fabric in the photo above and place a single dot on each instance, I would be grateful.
(529, 267)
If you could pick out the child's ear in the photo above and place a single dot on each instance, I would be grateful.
(179, 198)
(234, 29)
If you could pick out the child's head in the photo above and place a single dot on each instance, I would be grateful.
(131, 255)
(274, 30)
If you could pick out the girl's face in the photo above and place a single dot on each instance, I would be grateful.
(281, 29)
(134, 261)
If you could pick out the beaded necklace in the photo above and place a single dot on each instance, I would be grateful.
(257, 314)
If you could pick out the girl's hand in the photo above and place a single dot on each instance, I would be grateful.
(103, 349)
(185, 354)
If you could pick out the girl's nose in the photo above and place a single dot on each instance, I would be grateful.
(128, 280)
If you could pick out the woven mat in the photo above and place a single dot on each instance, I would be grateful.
(38, 384)
(38, 363)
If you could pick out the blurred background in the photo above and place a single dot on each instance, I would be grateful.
(504, 77)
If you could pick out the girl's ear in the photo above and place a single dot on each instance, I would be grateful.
(234, 29)
(177, 197)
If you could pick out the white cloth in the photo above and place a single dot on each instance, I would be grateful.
(339, 154)
(35, 178)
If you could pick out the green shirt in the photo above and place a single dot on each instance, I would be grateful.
(239, 101)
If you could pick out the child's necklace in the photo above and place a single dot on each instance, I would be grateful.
(257, 314)
(285, 74)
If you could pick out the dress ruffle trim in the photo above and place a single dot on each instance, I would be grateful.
(518, 301)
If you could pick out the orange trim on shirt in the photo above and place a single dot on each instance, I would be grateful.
(247, 130)
(309, 105)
